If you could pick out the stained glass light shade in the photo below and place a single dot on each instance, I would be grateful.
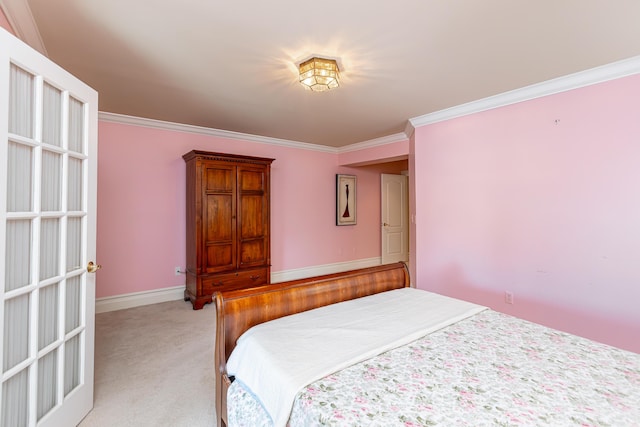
(319, 74)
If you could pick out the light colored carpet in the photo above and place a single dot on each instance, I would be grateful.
(154, 367)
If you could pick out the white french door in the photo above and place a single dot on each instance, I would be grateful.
(48, 181)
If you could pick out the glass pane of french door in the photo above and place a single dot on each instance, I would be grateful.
(47, 234)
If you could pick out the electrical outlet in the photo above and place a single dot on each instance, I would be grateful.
(178, 272)
(508, 297)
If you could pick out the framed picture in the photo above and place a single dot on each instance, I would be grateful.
(345, 199)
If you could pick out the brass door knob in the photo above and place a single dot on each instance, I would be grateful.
(92, 267)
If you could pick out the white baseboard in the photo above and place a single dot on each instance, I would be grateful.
(136, 299)
(174, 293)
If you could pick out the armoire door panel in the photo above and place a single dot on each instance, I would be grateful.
(219, 257)
(251, 179)
(219, 223)
(252, 252)
(219, 179)
(252, 221)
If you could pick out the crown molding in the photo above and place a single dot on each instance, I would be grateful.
(589, 77)
(19, 15)
(179, 127)
(596, 75)
(391, 139)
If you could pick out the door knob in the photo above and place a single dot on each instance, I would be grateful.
(92, 267)
(385, 224)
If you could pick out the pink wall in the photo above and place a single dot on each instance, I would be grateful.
(4, 22)
(141, 217)
(541, 199)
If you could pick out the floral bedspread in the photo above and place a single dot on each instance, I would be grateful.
(490, 369)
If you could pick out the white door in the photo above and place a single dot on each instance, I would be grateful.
(395, 218)
(48, 162)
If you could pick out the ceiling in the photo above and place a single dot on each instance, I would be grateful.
(231, 65)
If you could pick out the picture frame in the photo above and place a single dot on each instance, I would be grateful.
(346, 199)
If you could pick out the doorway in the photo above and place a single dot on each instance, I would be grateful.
(394, 217)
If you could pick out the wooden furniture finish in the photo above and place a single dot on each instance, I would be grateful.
(228, 239)
(239, 310)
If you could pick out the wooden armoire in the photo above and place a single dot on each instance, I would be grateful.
(228, 239)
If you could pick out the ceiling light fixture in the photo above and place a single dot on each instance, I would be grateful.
(319, 74)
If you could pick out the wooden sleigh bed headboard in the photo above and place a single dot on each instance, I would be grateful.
(237, 311)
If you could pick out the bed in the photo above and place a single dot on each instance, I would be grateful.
(324, 351)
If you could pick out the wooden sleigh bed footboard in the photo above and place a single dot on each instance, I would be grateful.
(239, 310)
